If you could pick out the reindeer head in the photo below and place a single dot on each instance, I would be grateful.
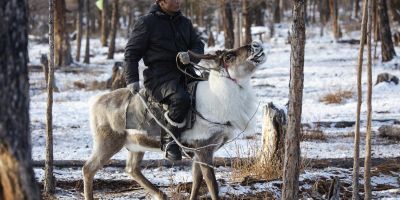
(237, 64)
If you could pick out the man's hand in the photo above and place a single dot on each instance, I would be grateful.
(184, 57)
(134, 87)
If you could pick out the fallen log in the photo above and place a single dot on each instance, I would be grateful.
(225, 162)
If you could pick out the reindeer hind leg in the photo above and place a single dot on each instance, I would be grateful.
(106, 144)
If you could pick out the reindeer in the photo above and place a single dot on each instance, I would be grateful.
(225, 102)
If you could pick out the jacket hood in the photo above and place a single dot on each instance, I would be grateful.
(156, 10)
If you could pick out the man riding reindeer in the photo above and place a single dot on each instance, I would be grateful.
(160, 37)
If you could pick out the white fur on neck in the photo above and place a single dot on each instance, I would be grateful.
(222, 100)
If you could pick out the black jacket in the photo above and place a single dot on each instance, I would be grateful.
(157, 38)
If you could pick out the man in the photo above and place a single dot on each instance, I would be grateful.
(159, 38)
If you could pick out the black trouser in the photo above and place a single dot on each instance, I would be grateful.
(174, 94)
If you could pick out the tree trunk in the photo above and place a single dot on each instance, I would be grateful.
(226, 6)
(238, 29)
(356, 165)
(17, 180)
(276, 11)
(334, 17)
(62, 48)
(387, 48)
(259, 13)
(376, 24)
(273, 134)
(79, 30)
(87, 46)
(367, 164)
(104, 24)
(394, 8)
(49, 186)
(114, 27)
(356, 8)
(246, 22)
(292, 142)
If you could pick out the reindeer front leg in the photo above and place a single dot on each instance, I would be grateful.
(206, 165)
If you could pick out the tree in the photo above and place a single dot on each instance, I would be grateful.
(17, 180)
(114, 27)
(227, 21)
(356, 165)
(276, 11)
(49, 186)
(386, 35)
(79, 30)
(87, 46)
(334, 17)
(367, 162)
(104, 24)
(292, 141)
(356, 8)
(62, 48)
(246, 22)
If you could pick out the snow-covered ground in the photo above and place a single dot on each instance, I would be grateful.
(329, 66)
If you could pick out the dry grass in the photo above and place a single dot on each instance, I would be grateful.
(336, 97)
(251, 168)
(313, 135)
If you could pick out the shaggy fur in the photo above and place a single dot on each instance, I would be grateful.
(220, 99)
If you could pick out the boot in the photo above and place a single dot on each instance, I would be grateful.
(171, 148)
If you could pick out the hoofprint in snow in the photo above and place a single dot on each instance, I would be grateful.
(329, 66)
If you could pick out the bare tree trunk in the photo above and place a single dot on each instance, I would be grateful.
(394, 8)
(376, 24)
(246, 22)
(226, 6)
(367, 164)
(114, 27)
(237, 31)
(79, 31)
(87, 46)
(276, 11)
(334, 17)
(49, 186)
(62, 48)
(104, 24)
(356, 166)
(258, 10)
(17, 179)
(292, 142)
(356, 8)
(386, 35)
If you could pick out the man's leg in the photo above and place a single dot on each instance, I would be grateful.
(179, 105)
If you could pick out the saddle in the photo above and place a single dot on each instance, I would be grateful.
(158, 109)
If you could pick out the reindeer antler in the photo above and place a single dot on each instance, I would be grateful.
(202, 56)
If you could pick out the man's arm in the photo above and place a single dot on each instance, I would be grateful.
(196, 45)
(134, 50)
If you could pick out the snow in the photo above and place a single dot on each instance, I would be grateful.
(329, 66)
